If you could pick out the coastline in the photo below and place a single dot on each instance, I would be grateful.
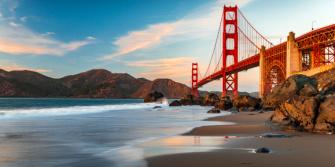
(244, 137)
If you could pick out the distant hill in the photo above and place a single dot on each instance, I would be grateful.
(168, 87)
(97, 83)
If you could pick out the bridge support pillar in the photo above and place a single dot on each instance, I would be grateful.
(229, 49)
(293, 56)
(312, 54)
(262, 71)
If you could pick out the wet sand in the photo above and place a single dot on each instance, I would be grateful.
(300, 149)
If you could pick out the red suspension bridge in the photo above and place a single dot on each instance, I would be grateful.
(239, 46)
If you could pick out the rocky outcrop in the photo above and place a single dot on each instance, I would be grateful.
(225, 103)
(290, 87)
(211, 99)
(214, 111)
(175, 103)
(246, 102)
(309, 103)
(153, 97)
(299, 111)
(191, 100)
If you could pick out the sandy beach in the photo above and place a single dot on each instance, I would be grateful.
(244, 137)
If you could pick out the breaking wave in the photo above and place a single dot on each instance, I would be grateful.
(73, 110)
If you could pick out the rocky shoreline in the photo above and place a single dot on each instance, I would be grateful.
(300, 102)
(238, 103)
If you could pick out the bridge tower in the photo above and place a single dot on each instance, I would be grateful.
(195, 71)
(229, 49)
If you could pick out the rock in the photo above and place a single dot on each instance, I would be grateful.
(214, 111)
(305, 103)
(308, 90)
(156, 107)
(210, 99)
(175, 103)
(153, 97)
(248, 102)
(326, 82)
(327, 88)
(263, 150)
(191, 100)
(280, 116)
(287, 89)
(326, 119)
(274, 135)
(225, 103)
(300, 111)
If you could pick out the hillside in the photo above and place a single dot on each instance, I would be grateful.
(97, 83)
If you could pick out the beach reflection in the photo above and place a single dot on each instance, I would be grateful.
(7, 154)
(184, 144)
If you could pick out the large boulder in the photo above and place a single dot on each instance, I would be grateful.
(175, 103)
(326, 118)
(305, 103)
(225, 103)
(246, 102)
(153, 97)
(298, 111)
(211, 99)
(290, 87)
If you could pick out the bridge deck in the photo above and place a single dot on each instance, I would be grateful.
(245, 64)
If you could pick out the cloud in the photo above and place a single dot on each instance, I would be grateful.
(76, 44)
(17, 39)
(23, 18)
(195, 25)
(142, 39)
(177, 68)
(91, 38)
(48, 33)
(16, 67)
(13, 24)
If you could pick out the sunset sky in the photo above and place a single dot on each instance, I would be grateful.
(147, 38)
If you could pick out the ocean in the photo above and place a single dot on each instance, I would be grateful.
(89, 132)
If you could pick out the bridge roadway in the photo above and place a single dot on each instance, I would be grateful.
(242, 65)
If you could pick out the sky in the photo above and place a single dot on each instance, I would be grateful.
(147, 38)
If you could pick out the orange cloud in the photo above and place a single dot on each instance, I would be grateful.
(15, 67)
(174, 68)
(141, 39)
(16, 48)
(19, 40)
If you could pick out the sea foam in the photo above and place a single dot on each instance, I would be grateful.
(73, 110)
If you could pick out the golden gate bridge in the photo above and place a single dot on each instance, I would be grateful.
(239, 46)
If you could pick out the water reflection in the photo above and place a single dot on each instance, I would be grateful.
(184, 144)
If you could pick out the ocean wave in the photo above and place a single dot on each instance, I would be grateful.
(73, 110)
